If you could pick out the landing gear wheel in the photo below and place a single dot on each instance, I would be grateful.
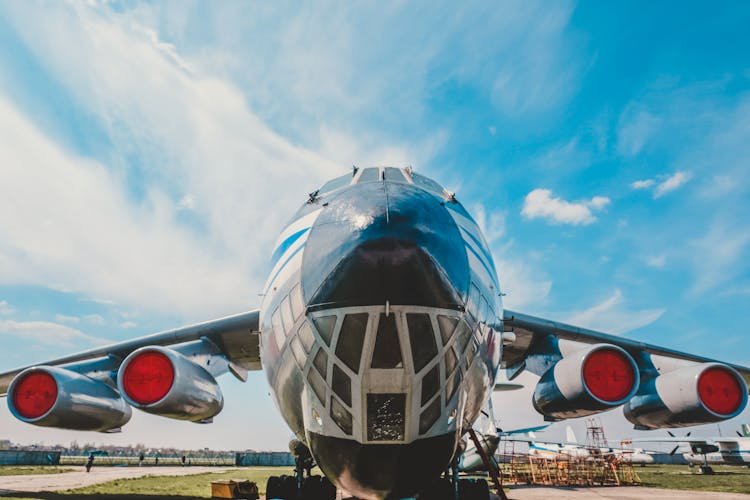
(442, 489)
(706, 470)
(482, 490)
(317, 488)
(281, 487)
(273, 487)
(473, 489)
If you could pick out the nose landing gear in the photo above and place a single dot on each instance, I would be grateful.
(303, 485)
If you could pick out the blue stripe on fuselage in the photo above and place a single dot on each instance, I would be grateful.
(481, 247)
(484, 265)
(281, 268)
(474, 238)
(284, 245)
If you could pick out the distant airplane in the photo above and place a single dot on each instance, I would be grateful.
(720, 450)
(381, 331)
(573, 448)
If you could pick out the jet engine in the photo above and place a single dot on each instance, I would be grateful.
(592, 380)
(699, 394)
(50, 396)
(164, 382)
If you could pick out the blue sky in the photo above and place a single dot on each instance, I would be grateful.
(150, 153)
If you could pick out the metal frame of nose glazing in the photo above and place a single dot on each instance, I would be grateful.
(384, 374)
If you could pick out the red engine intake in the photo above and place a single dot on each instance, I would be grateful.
(609, 374)
(164, 382)
(720, 390)
(148, 377)
(34, 394)
(693, 395)
(592, 380)
(51, 396)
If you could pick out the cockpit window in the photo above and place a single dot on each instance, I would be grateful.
(423, 346)
(341, 416)
(336, 183)
(351, 338)
(387, 353)
(430, 383)
(321, 362)
(342, 385)
(369, 175)
(324, 325)
(447, 327)
(427, 183)
(394, 174)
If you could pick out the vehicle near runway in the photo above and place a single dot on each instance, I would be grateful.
(381, 330)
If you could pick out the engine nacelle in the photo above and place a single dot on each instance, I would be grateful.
(700, 394)
(50, 396)
(164, 382)
(595, 379)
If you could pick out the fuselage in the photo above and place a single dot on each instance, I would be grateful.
(731, 452)
(381, 329)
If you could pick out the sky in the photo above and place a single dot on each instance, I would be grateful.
(151, 152)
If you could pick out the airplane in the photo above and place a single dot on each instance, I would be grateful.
(380, 330)
(719, 450)
(574, 449)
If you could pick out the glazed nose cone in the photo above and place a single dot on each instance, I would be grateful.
(385, 242)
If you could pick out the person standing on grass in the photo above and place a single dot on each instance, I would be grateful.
(141, 457)
(90, 462)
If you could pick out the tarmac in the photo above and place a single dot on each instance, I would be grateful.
(79, 478)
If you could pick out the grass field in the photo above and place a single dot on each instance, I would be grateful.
(726, 479)
(161, 488)
(23, 470)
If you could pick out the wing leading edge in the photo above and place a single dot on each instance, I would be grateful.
(236, 337)
(533, 335)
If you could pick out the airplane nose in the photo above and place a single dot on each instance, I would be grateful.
(385, 241)
(386, 471)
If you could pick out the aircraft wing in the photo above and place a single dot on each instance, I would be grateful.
(533, 336)
(235, 338)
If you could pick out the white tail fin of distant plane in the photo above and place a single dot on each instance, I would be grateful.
(570, 435)
(746, 430)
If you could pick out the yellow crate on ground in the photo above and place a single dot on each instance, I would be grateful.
(234, 488)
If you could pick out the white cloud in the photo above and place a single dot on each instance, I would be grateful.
(321, 60)
(61, 318)
(187, 202)
(492, 225)
(346, 149)
(663, 184)
(94, 319)
(671, 183)
(44, 332)
(522, 283)
(612, 315)
(720, 254)
(81, 228)
(644, 184)
(128, 324)
(656, 261)
(5, 308)
(599, 202)
(636, 129)
(540, 203)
